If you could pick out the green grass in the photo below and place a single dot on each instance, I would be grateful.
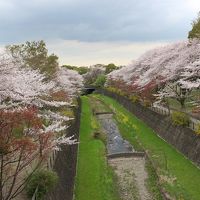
(97, 105)
(152, 181)
(94, 180)
(180, 177)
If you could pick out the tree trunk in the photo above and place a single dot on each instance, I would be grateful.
(182, 102)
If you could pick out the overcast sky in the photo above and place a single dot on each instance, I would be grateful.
(86, 32)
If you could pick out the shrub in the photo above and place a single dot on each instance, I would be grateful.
(134, 98)
(67, 112)
(44, 180)
(117, 91)
(96, 135)
(147, 103)
(180, 118)
(100, 81)
(100, 136)
(97, 132)
(198, 130)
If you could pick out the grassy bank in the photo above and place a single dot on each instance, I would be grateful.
(95, 180)
(177, 174)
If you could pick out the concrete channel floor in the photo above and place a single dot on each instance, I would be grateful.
(131, 170)
(115, 142)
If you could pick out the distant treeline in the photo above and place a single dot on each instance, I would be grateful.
(84, 69)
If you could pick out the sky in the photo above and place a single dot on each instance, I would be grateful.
(87, 32)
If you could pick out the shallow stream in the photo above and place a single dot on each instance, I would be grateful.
(115, 143)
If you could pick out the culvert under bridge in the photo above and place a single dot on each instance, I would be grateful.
(88, 90)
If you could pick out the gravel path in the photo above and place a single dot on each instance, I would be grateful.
(131, 175)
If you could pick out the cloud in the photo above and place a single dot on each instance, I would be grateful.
(86, 53)
(96, 31)
(94, 20)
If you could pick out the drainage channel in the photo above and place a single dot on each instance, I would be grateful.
(128, 164)
(115, 143)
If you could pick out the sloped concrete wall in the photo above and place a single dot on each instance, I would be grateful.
(182, 138)
(65, 164)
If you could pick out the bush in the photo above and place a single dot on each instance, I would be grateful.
(117, 91)
(134, 98)
(180, 118)
(97, 132)
(100, 81)
(147, 103)
(100, 136)
(198, 130)
(96, 135)
(44, 180)
(67, 112)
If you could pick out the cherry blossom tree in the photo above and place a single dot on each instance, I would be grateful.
(24, 145)
(120, 85)
(19, 148)
(94, 71)
(190, 77)
(21, 84)
(27, 102)
(174, 66)
(69, 81)
(161, 64)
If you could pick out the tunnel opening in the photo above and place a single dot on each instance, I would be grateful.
(88, 90)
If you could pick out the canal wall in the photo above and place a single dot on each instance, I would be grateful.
(182, 138)
(65, 163)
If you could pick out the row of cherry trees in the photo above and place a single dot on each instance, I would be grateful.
(31, 120)
(171, 71)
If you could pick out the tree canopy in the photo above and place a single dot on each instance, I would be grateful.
(80, 70)
(35, 98)
(35, 55)
(110, 67)
(171, 71)
(195, 32)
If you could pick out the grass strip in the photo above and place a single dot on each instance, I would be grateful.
(94, 178)
(179, 176)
